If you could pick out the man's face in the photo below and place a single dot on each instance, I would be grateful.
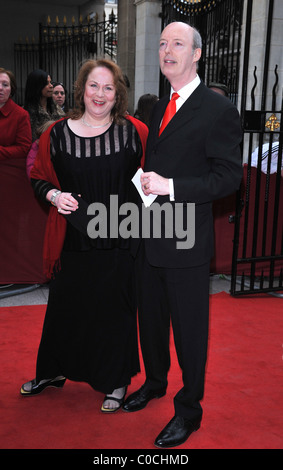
(176, 57)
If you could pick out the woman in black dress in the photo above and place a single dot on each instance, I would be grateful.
(90, 331)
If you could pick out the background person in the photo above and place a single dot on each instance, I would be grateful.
(269, 158)
(60, 96)
(219, 88)
(144, 108)
(31, 156)
(38, 100)
(15, 129)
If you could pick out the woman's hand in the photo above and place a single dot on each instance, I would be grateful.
(64, 202)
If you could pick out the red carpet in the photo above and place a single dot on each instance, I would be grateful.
(243, 395)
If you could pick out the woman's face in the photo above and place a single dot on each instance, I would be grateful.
(59, 95)
(47, 91)
(5, 88)
(99, 93)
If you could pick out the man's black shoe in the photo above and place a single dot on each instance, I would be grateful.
(176, 432)
(139, 399)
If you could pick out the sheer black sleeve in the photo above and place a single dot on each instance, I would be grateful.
(41, 188)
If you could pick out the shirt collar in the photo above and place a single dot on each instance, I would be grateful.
(187, 90)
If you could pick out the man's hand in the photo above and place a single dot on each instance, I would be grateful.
(152, 183)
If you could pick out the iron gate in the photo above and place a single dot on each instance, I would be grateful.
(61, 49)
(258, 240)
(219, 23)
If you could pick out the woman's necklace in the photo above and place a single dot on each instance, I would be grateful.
(95, 127)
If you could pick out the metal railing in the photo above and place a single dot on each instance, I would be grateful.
(61, 49)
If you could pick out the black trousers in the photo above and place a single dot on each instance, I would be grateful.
(182, 295)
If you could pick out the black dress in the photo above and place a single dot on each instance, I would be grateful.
(90, 328)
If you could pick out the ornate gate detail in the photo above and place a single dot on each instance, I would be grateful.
(61, 50)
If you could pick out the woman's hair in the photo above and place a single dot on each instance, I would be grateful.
(13, 82)
(145, 105)
(121, 105)
(35, 83)
(59, 83)
(44, 127)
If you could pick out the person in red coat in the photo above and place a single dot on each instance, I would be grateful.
(15, 129)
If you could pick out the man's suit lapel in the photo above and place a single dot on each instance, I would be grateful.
(159, 115)
(183, 116)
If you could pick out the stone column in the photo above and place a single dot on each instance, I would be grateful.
(126, 44)
(148, 29)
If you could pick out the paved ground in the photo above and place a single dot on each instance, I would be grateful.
(36, 295)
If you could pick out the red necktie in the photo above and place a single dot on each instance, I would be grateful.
(169, 112)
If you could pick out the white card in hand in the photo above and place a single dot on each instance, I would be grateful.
(148, 200)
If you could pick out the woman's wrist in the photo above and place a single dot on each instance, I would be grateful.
(52, 196)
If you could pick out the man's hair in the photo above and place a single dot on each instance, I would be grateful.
(197, 41)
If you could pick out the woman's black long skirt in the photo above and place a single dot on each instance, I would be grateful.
(90, 327)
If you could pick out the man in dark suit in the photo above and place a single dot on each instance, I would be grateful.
(195, 159)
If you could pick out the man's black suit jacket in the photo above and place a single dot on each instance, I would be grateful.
(200, 150)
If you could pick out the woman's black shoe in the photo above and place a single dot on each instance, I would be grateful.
(120, 401)
(33, 388)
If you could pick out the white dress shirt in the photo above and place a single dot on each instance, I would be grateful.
(184, 93)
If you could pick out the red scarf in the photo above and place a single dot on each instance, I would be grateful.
(56, 224)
